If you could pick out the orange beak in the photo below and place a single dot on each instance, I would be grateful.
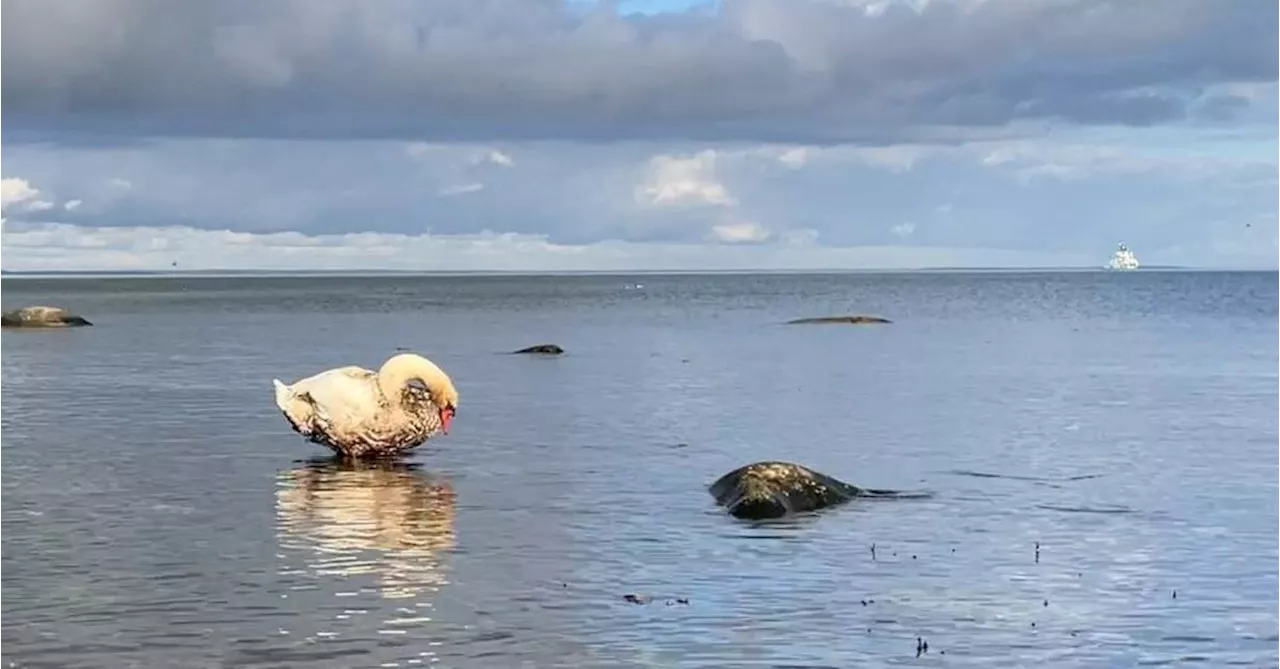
(446, 419)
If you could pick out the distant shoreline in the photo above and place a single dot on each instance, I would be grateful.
(283, 274)
(251, 273)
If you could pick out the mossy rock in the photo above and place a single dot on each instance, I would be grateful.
(42, 317)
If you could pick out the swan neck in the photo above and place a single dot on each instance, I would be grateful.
(391, 380)
(399, 370)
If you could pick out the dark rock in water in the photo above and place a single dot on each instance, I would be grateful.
(765, 490)
(41, 317)
(846, 320)
(646, 599)
(541, 349)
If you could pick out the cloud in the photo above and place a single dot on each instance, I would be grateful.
(1072, 194)
(13, 191)
(500, 158)
(794, 157)
(567, 134)
(683, 180)
(800, 71)
(461, 189)
(740, 233)
(60, 246)
(688, 184)
(18, 195)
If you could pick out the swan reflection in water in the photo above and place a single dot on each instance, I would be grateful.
(389, 519)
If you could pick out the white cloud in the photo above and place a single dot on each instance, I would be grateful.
(14, 190)
(740, 233)
(794, 157)
(999, 156)
(1029, 160)
(72, 205)
(500, 158)
(454, 169)
(903, 230)
(682, 180)
(18, 194)
(461, 154)
(461, 189)
(61, 246)
(1134, 187)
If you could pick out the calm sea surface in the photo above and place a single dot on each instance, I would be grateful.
(159, 512)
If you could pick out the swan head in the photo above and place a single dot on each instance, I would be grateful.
(401, 370)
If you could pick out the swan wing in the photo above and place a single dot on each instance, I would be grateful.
(347, 395)
(341, 396)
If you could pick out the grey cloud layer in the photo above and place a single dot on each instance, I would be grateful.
(1029, 196)
(775, 70)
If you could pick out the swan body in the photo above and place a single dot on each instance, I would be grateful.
(359, 413)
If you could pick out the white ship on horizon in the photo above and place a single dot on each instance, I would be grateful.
(1123, 259)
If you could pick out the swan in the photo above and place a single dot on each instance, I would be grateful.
(358, 412)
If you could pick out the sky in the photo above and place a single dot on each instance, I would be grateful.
(545, 135)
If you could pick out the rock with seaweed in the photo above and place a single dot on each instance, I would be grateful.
(42, 317)
(770, 489)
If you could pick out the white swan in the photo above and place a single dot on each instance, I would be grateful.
(357, 412)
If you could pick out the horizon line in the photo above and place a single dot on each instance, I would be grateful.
(171, 273)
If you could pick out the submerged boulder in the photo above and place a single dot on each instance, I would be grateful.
(846, 320)
(42, 317)
(766, 490)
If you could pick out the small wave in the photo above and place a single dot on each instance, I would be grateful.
(1086, 509)
(1015, 477)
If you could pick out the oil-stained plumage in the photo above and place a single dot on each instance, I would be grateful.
(361, 413)
(765, 490)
